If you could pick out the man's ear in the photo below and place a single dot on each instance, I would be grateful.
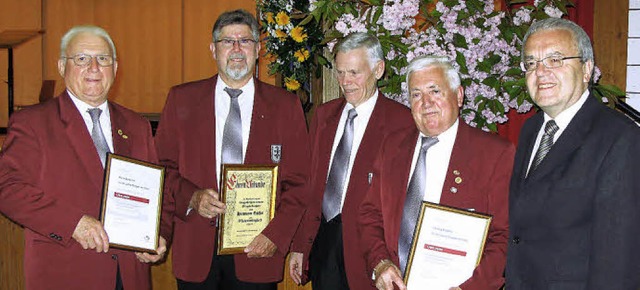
(61, 67)
(587, 67)
(379, 69)
(212, 48)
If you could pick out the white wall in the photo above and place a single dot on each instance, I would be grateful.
(633, 55)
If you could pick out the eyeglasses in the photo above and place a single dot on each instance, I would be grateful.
(243, 42)
(551, 62)
(85, 59)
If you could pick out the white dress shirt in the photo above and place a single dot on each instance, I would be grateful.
(562, 120)
(360, 122)
(222, 104)
(437, 162)
(105, 118)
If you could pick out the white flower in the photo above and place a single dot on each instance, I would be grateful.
(553, 11)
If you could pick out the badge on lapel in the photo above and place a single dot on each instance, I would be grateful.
(276, 153)
(122, 134)
(370, 177)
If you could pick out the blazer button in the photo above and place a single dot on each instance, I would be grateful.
(212, 223)
(516, 240)
(114, 256)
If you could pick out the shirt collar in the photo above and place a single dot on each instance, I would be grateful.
(564, 118)
(365, 108)
(449, 135)
(248, 87)
(83, 107)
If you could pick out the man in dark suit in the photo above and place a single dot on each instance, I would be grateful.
(192, 140)
(465, 168)
(51, 174)
(335, 258)
(575, 189)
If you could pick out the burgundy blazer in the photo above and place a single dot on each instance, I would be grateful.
(50, 176)
(387, 116)
(186, 146)
(484, 163)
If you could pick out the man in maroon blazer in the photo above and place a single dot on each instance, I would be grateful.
(465, 168)
(330, 244)
(191, 141)
(51, 174)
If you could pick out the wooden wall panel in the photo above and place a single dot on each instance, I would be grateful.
(58, 17)
(610, 27)
(27, 57)
(147, 36)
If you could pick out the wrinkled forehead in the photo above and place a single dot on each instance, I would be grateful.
(88, 43)
(550, 42)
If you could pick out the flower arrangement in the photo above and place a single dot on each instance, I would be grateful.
(292, 40)
(483, 42)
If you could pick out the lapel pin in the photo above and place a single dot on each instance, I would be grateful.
(454, 190)
(456, 172)
(458, 180)
(369, 177)
(124, 136)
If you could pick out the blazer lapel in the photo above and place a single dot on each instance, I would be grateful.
(80, 139)
(569, 141)
(327, 132)
(121, 142)
(205, 123)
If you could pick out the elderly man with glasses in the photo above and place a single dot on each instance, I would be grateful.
(231, 118)
(52, 168)
(574, 196)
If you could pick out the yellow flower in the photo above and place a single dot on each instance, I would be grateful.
(269, 17)
(282, 18)
(291, 84)
(281, 34)
(301, 54)
(298, 34)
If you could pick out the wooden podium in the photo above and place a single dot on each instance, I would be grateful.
(10, 39)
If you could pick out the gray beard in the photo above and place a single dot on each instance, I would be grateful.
(237, 74)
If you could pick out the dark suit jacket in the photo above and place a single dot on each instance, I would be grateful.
(50, 176)
(575, 222)
(186, 146)
(484, 163)
(387, 116)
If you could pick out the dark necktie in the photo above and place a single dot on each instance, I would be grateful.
(232, 136)
(332, 198)
(415, 194)
(550, 129)
(97, 136)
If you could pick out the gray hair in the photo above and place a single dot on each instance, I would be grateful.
(239, 16)
(360, 40)
(430, 61)
(94, 30)
(580, 38)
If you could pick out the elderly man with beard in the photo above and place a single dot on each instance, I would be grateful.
(266, 126)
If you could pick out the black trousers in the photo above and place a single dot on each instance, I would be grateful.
(222, 276)
(119, 285)
(326, 260)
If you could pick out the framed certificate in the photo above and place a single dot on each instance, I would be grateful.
(447, 246)
(249, 192)
(132, 203)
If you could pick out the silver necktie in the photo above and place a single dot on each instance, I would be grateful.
(97, 136)
(232, 136)
(550, 129)
(332, 198)
(415, 194)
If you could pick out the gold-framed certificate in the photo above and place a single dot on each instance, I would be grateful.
(132, 203)
(447, 246)
(249, 192)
